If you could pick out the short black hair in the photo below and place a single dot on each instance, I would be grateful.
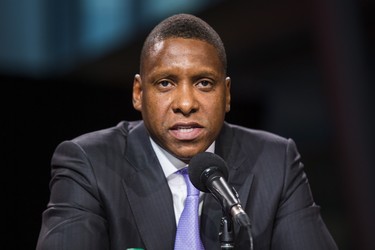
(184, 26)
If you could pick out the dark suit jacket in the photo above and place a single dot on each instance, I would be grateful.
(108, 191)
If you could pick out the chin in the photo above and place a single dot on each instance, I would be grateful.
(186, 152)
(186, 157)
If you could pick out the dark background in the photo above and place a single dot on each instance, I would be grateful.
(301, 69)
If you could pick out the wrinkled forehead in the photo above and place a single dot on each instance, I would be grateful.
(178, 48)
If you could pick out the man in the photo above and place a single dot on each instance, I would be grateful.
(119, 188)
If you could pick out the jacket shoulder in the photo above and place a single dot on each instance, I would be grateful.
(111, 137)
(121, 130)
(254, 135)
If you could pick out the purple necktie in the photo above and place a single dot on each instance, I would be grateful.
(187, 236)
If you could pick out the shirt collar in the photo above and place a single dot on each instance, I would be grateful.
(169, 163)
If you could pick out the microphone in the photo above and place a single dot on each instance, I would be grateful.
(209, 173)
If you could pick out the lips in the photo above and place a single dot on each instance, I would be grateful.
(186, 131)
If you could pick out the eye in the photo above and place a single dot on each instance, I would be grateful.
(205, 84)
(164, 85)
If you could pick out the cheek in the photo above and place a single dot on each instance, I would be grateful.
(214, 113)
(216, 105)
(155, 107)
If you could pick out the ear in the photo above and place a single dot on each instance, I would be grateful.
(137, 92)
(227, 94)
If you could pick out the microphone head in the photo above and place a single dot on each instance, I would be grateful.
(203, 165)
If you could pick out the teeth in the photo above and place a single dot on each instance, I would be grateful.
(185, 130)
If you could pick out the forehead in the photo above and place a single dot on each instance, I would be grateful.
(179, 49)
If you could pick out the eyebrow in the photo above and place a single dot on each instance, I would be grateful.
(196, 75)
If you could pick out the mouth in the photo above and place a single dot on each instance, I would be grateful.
(186, 132)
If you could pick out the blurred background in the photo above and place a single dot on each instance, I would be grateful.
(300, 68)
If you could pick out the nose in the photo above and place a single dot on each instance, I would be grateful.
(185, 101)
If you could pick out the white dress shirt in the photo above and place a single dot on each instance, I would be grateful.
(176, 182)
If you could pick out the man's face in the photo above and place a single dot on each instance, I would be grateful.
(183, 94)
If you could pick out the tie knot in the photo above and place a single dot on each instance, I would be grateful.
(191, 190)
(184, 171)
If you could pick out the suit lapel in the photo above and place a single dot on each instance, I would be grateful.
(148, 192)
(240, 161)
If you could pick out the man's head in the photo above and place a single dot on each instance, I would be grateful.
(184, 26)
(182, 90)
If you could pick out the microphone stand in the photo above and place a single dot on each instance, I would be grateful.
(226, 234)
